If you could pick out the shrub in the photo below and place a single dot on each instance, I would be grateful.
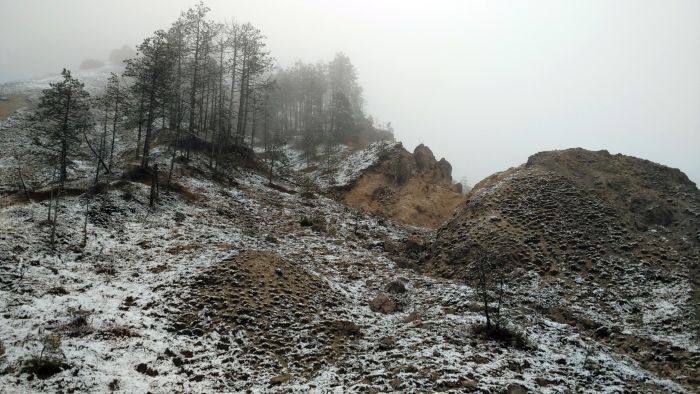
(117, 332)
(78, 326)
(357, 216)
(49, 362)
(507, 336)
(308, 187)
(316, 221)
(43, 367)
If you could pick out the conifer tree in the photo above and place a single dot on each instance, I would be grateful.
(62, 115)
(151, 72)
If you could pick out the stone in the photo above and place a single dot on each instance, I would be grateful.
(345, 328)
(396, 286)
(424, 157)
(382, 303)
(516, 388)
(469, 384)
(146, 370)
(407, 368)
(279, 379)
(412, 317)
(387, 342)
(444, 169)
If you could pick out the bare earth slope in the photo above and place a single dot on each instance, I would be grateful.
(410, 188)
(607, 243)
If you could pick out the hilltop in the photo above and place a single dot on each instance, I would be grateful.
(605, 243)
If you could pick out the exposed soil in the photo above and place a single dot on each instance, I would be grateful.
(413, 188)
(600, 236)
(262, 298)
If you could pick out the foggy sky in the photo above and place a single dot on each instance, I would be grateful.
(484, 84)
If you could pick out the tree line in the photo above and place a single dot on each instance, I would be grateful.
(206, 86)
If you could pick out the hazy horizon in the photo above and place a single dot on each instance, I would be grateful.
(484, 84)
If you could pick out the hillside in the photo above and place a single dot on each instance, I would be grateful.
(229, 284)
(386, 180)
(331, 278)
(609, 244)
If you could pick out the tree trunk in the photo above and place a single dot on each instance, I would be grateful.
(193, 93)
(87, 210)
(252, 132)
(114, 133)
(64, 140)
(172, 158)
(149, 124)
(138, 138)
(241, 95)
(21, 182)
(154, 185)
(233, 86)
(99, 158)
(484, 295)
(272, 166)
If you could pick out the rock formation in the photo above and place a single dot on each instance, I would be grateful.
(413, 188)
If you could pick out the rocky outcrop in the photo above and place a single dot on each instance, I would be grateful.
(594, 240)
(424, 157)
(413, 188)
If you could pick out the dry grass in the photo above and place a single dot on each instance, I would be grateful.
(187, 194)
(8, 106)
(37, 196)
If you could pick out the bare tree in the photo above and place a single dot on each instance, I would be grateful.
(491, 284)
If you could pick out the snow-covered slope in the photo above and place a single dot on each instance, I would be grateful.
(235, 286)
(345, 167)
(94, 80)
(117, 304)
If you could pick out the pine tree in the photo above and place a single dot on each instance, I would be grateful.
(345, 128)
(151, 72)
(62, 115)
(115, 97)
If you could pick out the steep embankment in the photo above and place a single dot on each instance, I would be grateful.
(410, 188)
(609, 243)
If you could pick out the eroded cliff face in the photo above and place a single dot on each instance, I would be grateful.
(413, 188)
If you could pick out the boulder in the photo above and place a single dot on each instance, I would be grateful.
(382, 303)
(412, 317)
(345, 328)
(281, 379)
(444, 169)
(396, 286)
(658, 215)
(387, 342)
(516, 388)
(424, 157)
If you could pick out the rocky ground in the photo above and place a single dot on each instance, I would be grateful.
(231, 292)
(230, 285)
(605, 243)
